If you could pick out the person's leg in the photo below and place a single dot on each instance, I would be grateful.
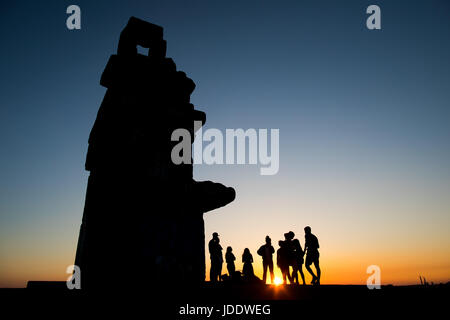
(289, 274)
(316, 264)
(211, 273)
(294, 274)
(308, 267)
(219, 271)
(301, 273)
(264, 272)
(271, 272)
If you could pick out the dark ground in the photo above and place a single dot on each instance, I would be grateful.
(286, 302)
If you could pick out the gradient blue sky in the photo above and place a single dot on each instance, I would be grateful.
(364, 123)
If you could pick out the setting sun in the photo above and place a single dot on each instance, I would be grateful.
(278, 281)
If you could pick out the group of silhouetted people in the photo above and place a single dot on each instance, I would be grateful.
(215, 251)
(289, 255)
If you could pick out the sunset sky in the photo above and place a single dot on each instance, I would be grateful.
(364, 120)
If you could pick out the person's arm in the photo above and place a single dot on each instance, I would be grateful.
(260, 251)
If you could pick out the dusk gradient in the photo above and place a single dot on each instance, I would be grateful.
(364, 120)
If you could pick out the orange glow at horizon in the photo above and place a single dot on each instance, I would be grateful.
(353, 235)
(341, 261)
(403, 247)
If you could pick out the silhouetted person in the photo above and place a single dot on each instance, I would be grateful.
(283, 260)
(266, 251)
(215, 251)
(290, 255)
(247, 270)
(298, 261)
(229, 258)
(312, 254)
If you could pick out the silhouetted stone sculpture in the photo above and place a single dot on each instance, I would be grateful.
(143, 214)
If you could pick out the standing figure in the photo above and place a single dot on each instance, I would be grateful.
(290, 254)
(312, 254)
(298, 262)
(230, 258)
(283, 261)
(266, 251)
(215, 251)
(247, 270)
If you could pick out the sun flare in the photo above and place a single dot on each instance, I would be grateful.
(277, 281)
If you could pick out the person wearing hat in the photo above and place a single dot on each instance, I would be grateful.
(312, 254)
(266, 251)
(215, 251)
